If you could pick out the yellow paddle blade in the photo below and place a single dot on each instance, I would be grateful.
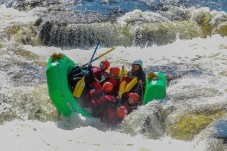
(122, 89)
(123, 72)
(79, 88)
(131, 84)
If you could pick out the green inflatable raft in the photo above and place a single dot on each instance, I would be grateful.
(63, 99)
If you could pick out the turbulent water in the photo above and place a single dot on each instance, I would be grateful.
(182, 39)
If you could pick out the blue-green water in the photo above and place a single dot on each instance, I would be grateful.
(120, 7)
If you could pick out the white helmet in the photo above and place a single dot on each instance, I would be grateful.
(139, 62)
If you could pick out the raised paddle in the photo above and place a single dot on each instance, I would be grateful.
(81, 83)
(101, 55)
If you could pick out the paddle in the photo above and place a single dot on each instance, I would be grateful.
(81, 83)
(126, 88)
(122, 85)
(101, 55)
(121, 91)
(123, 72)
(131, 84)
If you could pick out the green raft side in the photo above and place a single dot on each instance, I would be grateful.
(155, 89)
(58, 87)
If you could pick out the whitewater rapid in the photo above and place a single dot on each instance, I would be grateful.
(196, 99)
(70, 134)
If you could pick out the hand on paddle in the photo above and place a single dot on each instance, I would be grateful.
(140, 82)
(89, 64)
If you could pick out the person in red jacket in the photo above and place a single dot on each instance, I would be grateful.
(103, 106)
(96, 76)
(113, 115)
(128, 106)
(113, 78)
(133, 102)
(100, 73)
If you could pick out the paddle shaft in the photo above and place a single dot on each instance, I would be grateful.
(93, 55)
(95, 50)
(81, 83)
(92, 60)
(100, 55)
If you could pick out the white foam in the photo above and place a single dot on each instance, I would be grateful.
(10, 15)
(36, 136)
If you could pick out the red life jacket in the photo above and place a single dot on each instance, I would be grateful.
(96, 70)
(108, 115)
(98, 87)
(105, 98)
(100, 101)
(114, 82)
(127, 79)
(98, 73)
(129, 107)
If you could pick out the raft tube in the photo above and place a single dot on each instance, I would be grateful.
(59, 92)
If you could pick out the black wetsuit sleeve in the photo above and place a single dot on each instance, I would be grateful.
(90, 69)
(130, 74)
(141, 75)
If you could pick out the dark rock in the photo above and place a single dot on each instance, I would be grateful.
(75, 18)
(164, 9)
(71, 29)
(38, 22)
(117, 11)
(45, 32)
(38, 111)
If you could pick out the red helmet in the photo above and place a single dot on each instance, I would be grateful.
(107, 63)
(108, 86)
(133, 98)
(122, 111)
(115, 71)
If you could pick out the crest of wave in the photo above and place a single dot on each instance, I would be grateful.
(148, 120)
(139, 16)
(193, 88)
(77, 121)
(26, 103)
